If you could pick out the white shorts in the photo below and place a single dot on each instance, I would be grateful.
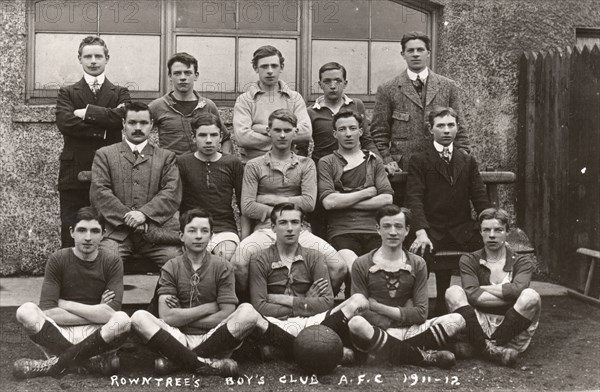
(263, 238)
(217, 238)
(490, 322)
(294, 325)
(193, 341)
(403, 333)
(75, 333)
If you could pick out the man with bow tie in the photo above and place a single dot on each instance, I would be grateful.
(85, 128)
(442, 183)
(399, 126)
(136, 188)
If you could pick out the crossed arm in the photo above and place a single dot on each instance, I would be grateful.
(206, 315)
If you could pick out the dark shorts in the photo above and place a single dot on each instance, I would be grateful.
(359, 243)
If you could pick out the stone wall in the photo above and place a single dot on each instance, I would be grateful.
(479, 44)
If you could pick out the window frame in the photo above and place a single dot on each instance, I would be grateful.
(168, 39)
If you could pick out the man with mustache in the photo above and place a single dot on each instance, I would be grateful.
(136, 188)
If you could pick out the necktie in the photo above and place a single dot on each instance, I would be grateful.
(418, 83)
(136, 153)
(95, 87)
(446, 155)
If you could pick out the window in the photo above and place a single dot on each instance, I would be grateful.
(362, 35)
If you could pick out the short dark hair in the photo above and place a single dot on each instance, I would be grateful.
(391, 210)
(88, 214)
(203, 119)
(183, 58)
(136, 106)
(283, 115)
(330, 67)
(347, 114)
(189, 216)
(92, 40)
(440, 111)
(415, 35)
(495, 213)
(266, 51)
(278, 209)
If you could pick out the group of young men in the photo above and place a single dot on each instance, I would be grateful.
(272, 277)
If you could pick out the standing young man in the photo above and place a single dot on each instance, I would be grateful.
(136, 188)
(280, 176)
(501, 312)
(209, 179)
(174, 111)
(252, 108)
(87, 121)
(399, 118)
(79, 315)
(443, 182)
(395, 328)
(332, 80)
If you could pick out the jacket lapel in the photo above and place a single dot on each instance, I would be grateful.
(438, 163)
(459, 160)
(83, 91)
(127, 153)
(107, 91)
(407, 88)
(146, 154)
(432, 87)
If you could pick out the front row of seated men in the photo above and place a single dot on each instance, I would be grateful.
(78, 322)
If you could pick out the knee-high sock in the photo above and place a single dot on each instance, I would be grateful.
(51, 339)
(88, 347)
(276, 336)
(442, 282)
(383, 345)
(433, 338)
(475, 334)
(171, 348)
(512, 325)
(339, 323)
(221, 341)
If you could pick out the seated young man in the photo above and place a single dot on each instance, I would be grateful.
(197, 307)
(443, 181)
(500, 310)
(290, 285)
(280, 176)
(209, 179)
(353, 185)
(79, 313)
(395, 327)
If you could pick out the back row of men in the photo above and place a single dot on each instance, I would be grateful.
(132, 195)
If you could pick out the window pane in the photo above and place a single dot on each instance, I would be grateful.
(340, 19)
(206, 14)
(386, 63)
(56, 62)
(390, 20)
(216, 61)
(278, 15)
(118, 16)
(352, 55)
(79, 16)
(134, 61)
(247, 46)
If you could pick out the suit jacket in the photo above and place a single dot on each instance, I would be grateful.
(399, 126)
(121, 184)
(439, 200)
(101, 127)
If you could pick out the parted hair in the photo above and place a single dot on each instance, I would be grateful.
(93, 40)
(88, 214)
(183, 58)
(440, 111)
(391, 210)
(189, 216)
(204, 119)
(283, 115)
(495, 213)
(330, 67)
(136, 106)
(278, 209)
(415, 35)
(266, 51)
(346, 114)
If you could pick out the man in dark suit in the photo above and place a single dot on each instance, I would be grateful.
(85, 129)
(136, 188)
(443, 181)
(399, 126)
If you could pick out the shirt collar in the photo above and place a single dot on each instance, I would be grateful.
(422, 75)
(140, 147)
(439, 148)
(509, 262)
(254, 89)
(294, 159)
(280, 263)
(89, 79)
(320, 102)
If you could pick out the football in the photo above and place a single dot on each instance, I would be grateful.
(318, 349)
